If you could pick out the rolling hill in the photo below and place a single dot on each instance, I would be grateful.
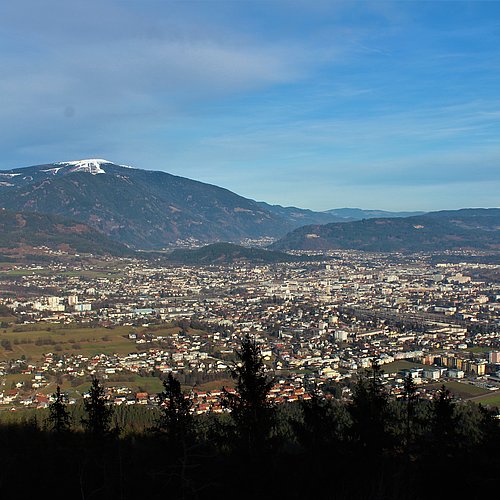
(226, 253)
(22, 229)
(435, 231)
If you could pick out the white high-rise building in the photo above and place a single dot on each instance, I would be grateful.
(73, 300)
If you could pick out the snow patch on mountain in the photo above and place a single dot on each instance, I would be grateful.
(91, 166)
(53, 171)
(9, 175)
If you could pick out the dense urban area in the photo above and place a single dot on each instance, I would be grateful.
(318, 324)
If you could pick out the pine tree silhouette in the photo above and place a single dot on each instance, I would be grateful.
(370, 411)
(443, 422)
(99, 414)
(250, 409)
(59, 418)
(323, 423)
(176, 419)
(411, 398)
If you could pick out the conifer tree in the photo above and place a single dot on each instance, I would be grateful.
(250, 409)
(99, 414)
(176, 419)
(370, 411)
(323, 423)
(410, 396)
(59, 418)
(443, 421)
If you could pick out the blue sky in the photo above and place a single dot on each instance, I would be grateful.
(390, 105)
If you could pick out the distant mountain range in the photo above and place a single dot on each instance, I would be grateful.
(352, 214)
(20, 230)
(434, 231)
(152, 209)
(301, 217)
(106, 207)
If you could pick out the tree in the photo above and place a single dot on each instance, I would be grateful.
(6, 344)
(250, 409)
(411, 398)
(323, 423)
(99, 414)
(443, 421)
(176, 419)
(59, 418)
(370, 411)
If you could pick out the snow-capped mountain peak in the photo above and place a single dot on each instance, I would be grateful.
(92, 166)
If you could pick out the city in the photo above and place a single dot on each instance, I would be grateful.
(318, 324)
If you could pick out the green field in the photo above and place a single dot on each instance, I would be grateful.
(399, 365)
(7, 381)
(478, 350)
(215, 384)
(465, 391)
(137, 384)
(87, 341)
(147, 384)
(33, 341)
(492, 398)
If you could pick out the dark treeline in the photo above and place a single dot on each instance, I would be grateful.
(371, 447)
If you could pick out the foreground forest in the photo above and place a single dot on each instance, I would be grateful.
(371, 447)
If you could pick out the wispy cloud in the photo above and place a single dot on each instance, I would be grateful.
(88, 69)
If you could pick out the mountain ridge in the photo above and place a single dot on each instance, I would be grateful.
(143, 208)
(153, 210)
(434, 231)
(304, 216)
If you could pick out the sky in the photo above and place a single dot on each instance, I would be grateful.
(316, 104)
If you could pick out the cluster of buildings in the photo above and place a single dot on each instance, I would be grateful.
(317, 323)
